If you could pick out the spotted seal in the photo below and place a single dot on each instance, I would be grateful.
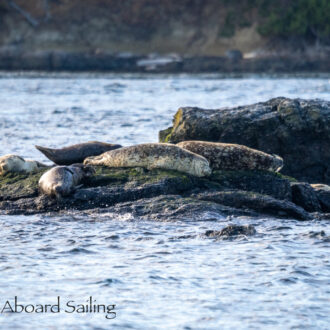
(154, 155)
(16, 164)
(61, 181)
(226, 156)
(77, 153)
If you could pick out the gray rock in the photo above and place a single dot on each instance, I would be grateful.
(234, 54)
(262, 182)
(295, 129)
(262, 204)
(176, 207)
(231, 231)
(159, 195)
(304, 195)
(317, 235)
(321, 216)
(323, 194)
(14, 186)
(110, 190)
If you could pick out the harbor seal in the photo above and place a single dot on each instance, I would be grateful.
(154, 155)
(226, 156)
(61, 181)
(77, 152)
(17, 164)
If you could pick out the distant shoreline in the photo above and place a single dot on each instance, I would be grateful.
(128, 63)
(42, 74)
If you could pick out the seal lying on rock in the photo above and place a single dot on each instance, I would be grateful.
(154, 155)
(63, 180)
(16, 164)
(225, 156)
(77, 152)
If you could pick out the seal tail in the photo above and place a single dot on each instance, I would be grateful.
(48, 152)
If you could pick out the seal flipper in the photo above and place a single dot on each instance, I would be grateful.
(77, 187)
(48, 152)
(41, 165)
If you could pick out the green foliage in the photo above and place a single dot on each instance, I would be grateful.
(106, 176)
(299, 18)
(228, 30)
(306, 19)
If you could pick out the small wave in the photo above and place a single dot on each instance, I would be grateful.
(79, 250)
(108, 282)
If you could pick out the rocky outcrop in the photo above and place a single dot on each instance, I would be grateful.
(160, 195)
(262, 182)
(305, 196)
(297, 130)
(17, 186)
(260, 203)
(231, 231)
(173, 207)
(323, 194)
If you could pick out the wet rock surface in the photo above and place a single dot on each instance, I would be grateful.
(17, 186)
(262, 182)
(262, 204)
(297, 130)
(161, 195)
(231, 231)
(305, 196)
(323, 194)
(174, 207)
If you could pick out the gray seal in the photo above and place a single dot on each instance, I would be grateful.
(226, 156)
(154, 155)
(77, 153)
(62, 181)
(17, 164)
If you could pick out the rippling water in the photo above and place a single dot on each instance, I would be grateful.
(159, 275)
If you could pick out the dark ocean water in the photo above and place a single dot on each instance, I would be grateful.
(159, 275)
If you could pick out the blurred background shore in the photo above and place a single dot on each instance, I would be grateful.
(165, 36)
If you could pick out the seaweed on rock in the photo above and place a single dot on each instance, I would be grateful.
(159, 194)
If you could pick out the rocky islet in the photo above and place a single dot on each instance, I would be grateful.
(164, 195)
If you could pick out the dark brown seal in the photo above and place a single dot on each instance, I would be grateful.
(77, 152)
